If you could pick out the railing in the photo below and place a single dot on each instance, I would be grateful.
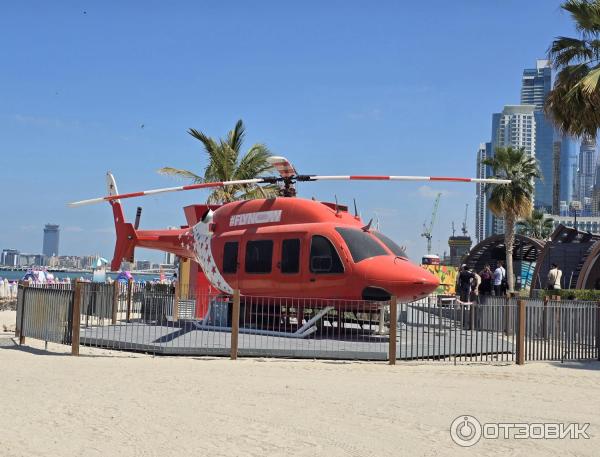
(44, 314)
(161, 319)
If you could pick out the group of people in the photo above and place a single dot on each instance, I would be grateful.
(470, 284)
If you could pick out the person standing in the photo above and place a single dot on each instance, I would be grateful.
(499, 279)
(486, 281)
(475, 286)
(554, 277)
(464, 283)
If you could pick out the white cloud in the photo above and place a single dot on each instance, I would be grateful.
(429, 192)
(73, 229)
(373, 114)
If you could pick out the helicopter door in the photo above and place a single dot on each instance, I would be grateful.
(325, 267)
(231, 263)
(288, 263)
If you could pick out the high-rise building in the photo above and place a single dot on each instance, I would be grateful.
(483, 152)
(515, 126)
(586, 172)
(536, 84)
(10, 257)
(51, 239)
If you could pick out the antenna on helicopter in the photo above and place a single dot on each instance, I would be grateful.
(367, 227)
(355, 209)
(337, 208)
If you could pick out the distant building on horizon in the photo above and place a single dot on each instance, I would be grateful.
(10, 257)
(51, 240)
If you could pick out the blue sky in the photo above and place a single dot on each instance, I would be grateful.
(339, 87)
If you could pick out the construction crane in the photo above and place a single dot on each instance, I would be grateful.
(427, 230)
(464, 225)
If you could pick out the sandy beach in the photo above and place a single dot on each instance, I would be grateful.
(116, 403)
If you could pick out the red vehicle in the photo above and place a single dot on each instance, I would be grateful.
(284, 246)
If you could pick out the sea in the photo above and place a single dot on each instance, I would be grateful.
(17, 275)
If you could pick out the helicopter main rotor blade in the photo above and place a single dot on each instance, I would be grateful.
(402, 178)
(164, 190)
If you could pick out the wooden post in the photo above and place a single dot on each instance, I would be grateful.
(76, 319)
(545, 318)
(115, 305)
(176, 303)
(521, 333)
(235, 324)
(598, 330)
(129, 297)
(23, 307)
(393, 328)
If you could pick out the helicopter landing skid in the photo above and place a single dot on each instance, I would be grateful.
(307, 329)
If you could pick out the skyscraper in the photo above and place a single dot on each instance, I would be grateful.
(586, 171)
(535, 85)
(483, 152)
(515, 126)
(51, 239)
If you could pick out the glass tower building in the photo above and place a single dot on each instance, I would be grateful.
(51, 239)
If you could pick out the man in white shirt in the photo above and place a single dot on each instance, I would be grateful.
(499, 277)
(554, 277)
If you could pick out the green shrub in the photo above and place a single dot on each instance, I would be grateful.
(573, 294)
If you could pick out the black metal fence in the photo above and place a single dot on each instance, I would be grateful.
(170, 319)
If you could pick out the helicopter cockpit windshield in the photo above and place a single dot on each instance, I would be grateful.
(361, 245)
(391, 245)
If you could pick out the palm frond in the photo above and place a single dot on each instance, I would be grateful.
(184, 174)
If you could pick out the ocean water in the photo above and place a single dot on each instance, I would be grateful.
(16, 275)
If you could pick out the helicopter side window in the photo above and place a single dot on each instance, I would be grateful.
(390, 244)
(361, 245)
(259, 255)
(290, 256)
(323, 256)
(230, 257)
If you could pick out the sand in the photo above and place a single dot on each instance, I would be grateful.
(115, 403)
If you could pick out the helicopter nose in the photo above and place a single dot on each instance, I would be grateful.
(401, 278)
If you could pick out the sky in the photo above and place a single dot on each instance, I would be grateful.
(338, 87)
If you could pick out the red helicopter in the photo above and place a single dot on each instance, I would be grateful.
(284, 246)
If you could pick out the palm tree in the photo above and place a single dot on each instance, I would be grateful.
(512, 201)
(574, 102)
(536, 225)
(225, 164)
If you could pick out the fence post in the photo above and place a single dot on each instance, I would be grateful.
(521, 333)
(235, 324)
(129, 296)
(545, 318)
(115, 304)
(176, 303)
(598, 330)
(76, 319)
(21, 335)
(393, 328)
